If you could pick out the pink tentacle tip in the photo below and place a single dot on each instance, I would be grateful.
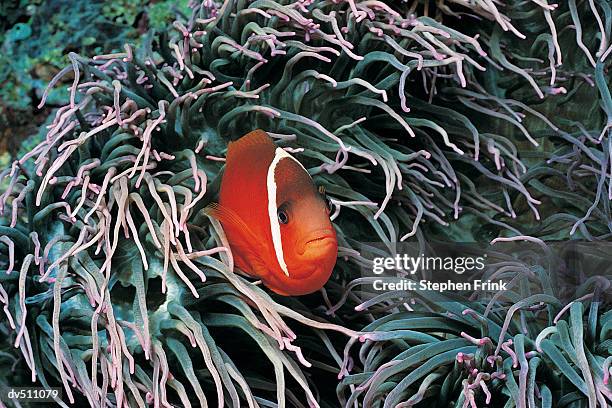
(460, 358)
(474, 340)
(557, 90)
(492, 359)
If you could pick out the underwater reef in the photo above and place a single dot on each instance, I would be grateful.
(483, 122)
(35, 39)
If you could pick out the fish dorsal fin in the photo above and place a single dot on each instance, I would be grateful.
(252, 142)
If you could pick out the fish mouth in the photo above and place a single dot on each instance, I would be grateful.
(316, 241)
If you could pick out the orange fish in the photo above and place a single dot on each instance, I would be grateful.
(276, 220)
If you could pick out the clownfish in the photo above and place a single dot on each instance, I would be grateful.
(275, 219)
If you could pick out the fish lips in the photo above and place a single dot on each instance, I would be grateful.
(317, 243)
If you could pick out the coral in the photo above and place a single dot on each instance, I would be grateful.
(36, 37)
(416, 120)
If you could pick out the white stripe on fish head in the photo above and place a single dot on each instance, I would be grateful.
(279, 154)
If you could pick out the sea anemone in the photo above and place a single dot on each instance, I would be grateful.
(543, 341)
(419, 120)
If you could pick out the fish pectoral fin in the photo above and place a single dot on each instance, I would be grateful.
(249, 246)
(259, 267)
(250, 255)
(246, 243)
(229, 218)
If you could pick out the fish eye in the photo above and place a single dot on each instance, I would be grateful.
(282, 215)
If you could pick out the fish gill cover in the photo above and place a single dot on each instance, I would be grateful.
(466, 121)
